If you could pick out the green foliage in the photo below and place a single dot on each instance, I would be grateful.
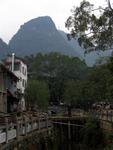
(70, 81)
(55, 65)
(72, 94)
(94, 32)
(55, 69)
(37, 93)
(96, 86)
(98, 82)
(92, 135)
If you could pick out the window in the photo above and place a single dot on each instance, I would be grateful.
(16, 67)
(23, 70)
(23, 83)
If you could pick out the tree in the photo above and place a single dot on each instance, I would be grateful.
(72, 93)
(96, 86)
(78, 94)
(37, 93)
(55, 69)
(94, 32)
(92, 135)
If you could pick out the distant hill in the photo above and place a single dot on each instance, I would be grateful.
(74, 44)
(4, 49)
(40, 35)
(89, 58)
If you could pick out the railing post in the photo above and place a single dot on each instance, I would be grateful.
(69, 130)
(111, 116)
(39, 123)
(36, 123)
(101, 115)
(46, 121)
(17, 128)
(25, 124)
(6, 122)
(107, 115)
(31, 122)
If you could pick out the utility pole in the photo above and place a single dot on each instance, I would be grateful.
(12, 67)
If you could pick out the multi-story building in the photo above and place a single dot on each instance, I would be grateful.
(9, 99)
(19, 68)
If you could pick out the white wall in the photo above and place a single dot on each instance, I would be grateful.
(22, 75)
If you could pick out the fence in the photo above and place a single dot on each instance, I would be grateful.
(106, 115)
(14, 126)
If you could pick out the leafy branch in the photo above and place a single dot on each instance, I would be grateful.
(93, 32)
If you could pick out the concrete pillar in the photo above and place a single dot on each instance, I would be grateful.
(25, 124)
(107, 115)
(31, 117)
(46, 121)
(39, 123)
(6, 123)
(61, 130)
(69, 130)
(111, 116)
(17, 128)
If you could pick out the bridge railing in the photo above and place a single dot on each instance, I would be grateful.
(106, 115)
(13, 126)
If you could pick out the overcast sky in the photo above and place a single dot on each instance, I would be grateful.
(14, 13)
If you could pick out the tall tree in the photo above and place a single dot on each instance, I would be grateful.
(37, 94)
(94, 32)
(92, 135)
(55, 69)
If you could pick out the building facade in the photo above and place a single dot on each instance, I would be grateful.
(9, 99)
(19, 68)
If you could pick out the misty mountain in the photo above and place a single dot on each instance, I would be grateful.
(4, 49)
(40, 35)
(89, 58)
(73, 43)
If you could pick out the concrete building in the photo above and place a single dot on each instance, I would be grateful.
(9, 99)
(19, 68)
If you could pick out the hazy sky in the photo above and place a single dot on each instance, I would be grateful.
(14, 13)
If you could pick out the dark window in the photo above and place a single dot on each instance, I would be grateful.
(23, 83)
(23, 70)
(16, 67)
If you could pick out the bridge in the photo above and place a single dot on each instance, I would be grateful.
(16, 127)
(105, 118)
